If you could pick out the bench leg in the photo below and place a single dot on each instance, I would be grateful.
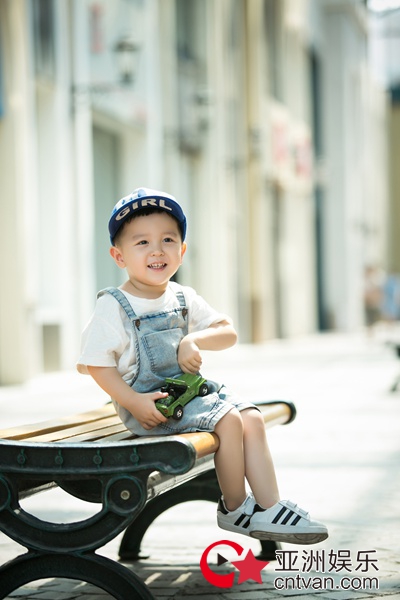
(115, 579)
(203, 487)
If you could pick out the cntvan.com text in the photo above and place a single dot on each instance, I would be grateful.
(326, 583)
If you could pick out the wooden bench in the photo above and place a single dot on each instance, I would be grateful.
(95, 458)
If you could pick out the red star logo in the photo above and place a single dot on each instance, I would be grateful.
(250, 567)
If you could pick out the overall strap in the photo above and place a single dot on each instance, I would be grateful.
(181, 297)
(121, 298)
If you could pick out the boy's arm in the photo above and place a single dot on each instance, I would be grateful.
(217, 336)
(141, 406)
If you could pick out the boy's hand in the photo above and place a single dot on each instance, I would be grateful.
(189, 357)
(144, 409)
(217, 336)
(141, 406)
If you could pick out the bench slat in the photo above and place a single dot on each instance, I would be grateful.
(83, 432)
(203, 441)
(74, 430)
(22, 432)
(277, 413)
(124, 435)
(103, 434)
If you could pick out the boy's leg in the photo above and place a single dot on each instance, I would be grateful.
(229, 459)
(244, 453)
(263, 515)
(259, 466)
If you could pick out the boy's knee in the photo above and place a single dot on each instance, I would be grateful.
(253, 420)
(231, 419)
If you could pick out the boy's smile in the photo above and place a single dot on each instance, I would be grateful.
(151, 249)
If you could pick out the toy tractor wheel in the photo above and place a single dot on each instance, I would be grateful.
(203, 390)
(178, 413)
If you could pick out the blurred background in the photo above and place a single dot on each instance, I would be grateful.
(276, 123)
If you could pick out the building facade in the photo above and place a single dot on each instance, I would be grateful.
(237, 107)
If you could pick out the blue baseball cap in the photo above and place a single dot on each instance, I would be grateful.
(145, 198)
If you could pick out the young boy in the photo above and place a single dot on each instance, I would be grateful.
(151, 328)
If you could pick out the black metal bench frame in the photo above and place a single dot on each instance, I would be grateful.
(135, 480)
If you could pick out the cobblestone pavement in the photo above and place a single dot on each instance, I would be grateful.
(339, 459)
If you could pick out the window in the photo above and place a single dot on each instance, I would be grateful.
(191, 27)
(43, 30)
(273, 35)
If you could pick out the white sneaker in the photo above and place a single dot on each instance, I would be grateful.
(236, 520)
(285, 522)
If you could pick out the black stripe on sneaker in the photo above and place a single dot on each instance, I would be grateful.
(240, 519)
(279, 515)
(296, 520)
(221, 507)
(286, 519)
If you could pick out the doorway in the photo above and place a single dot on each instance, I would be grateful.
(106, 152)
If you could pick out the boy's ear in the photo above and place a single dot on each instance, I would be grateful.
(117, 256)
(183, 249)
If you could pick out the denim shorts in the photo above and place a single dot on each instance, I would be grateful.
(200, 414)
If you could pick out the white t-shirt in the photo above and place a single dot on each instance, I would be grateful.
(108, 340)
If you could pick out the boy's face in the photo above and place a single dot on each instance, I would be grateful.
(150, 247)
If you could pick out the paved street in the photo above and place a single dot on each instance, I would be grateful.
(339, 459)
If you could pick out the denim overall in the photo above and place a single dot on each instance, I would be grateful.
(157, 339)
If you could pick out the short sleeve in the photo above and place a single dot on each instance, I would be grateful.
(201, 314)
(106, 339)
